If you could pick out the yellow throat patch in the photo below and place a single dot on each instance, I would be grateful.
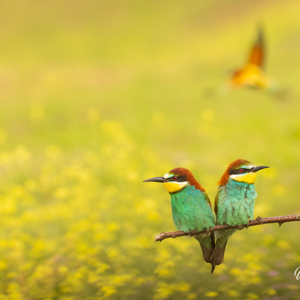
(248, 177)
(173, 187)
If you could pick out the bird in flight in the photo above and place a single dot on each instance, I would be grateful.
(253, 74)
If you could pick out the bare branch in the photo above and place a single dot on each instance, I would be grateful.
(258, 221)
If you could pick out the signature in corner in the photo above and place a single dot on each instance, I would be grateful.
(297, 273)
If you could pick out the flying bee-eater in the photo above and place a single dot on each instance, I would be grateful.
(234, 203)
(191, 208)
(252, 74)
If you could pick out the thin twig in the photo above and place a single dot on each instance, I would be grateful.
(258, 221)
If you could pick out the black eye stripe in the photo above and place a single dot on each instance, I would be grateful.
(238, 171)
(179, 178)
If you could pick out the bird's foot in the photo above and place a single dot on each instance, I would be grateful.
(258, 219)
(247, 225)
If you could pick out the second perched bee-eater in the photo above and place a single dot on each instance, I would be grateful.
(191, 208)
(234, 203)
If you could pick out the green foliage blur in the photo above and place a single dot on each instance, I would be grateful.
(97, 96)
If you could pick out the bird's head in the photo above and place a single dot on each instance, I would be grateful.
(176, 180)
(241, 170)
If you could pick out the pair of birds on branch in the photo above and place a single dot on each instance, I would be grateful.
(191, 207)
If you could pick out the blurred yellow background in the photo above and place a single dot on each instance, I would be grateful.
(97, 96)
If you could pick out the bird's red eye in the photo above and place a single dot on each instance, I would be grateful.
(241, 170)
(174, 178)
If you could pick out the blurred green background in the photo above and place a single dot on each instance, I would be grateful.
(97, 96)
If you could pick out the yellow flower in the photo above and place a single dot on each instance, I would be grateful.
(283, 244)
(163, 291)
(233, 293)
(211, 294)
(3, 265)
(182, 287)
(113, 226)
(108, 290)
(271, 292)
(251, 296)
(236, 272)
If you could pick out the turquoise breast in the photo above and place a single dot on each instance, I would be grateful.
(191, 210)
(236, 203)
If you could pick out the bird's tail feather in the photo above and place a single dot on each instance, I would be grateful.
(218, 254)
(207, 247)
(207, 253)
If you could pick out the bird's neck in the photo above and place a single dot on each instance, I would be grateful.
(188, 192)
(175, 187)
(236, 183)
(246, 178)
(238, 189)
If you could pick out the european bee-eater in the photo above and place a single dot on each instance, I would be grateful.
(234, 204)
(252, 74)
(191, 208)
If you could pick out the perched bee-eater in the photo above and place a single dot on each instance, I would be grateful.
(234, 204)
(191, 208)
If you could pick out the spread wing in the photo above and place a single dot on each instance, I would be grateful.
(257, 54)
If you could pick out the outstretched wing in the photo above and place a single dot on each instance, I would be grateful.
(257, 54)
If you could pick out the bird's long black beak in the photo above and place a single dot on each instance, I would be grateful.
(155, 179)
(255, 169)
